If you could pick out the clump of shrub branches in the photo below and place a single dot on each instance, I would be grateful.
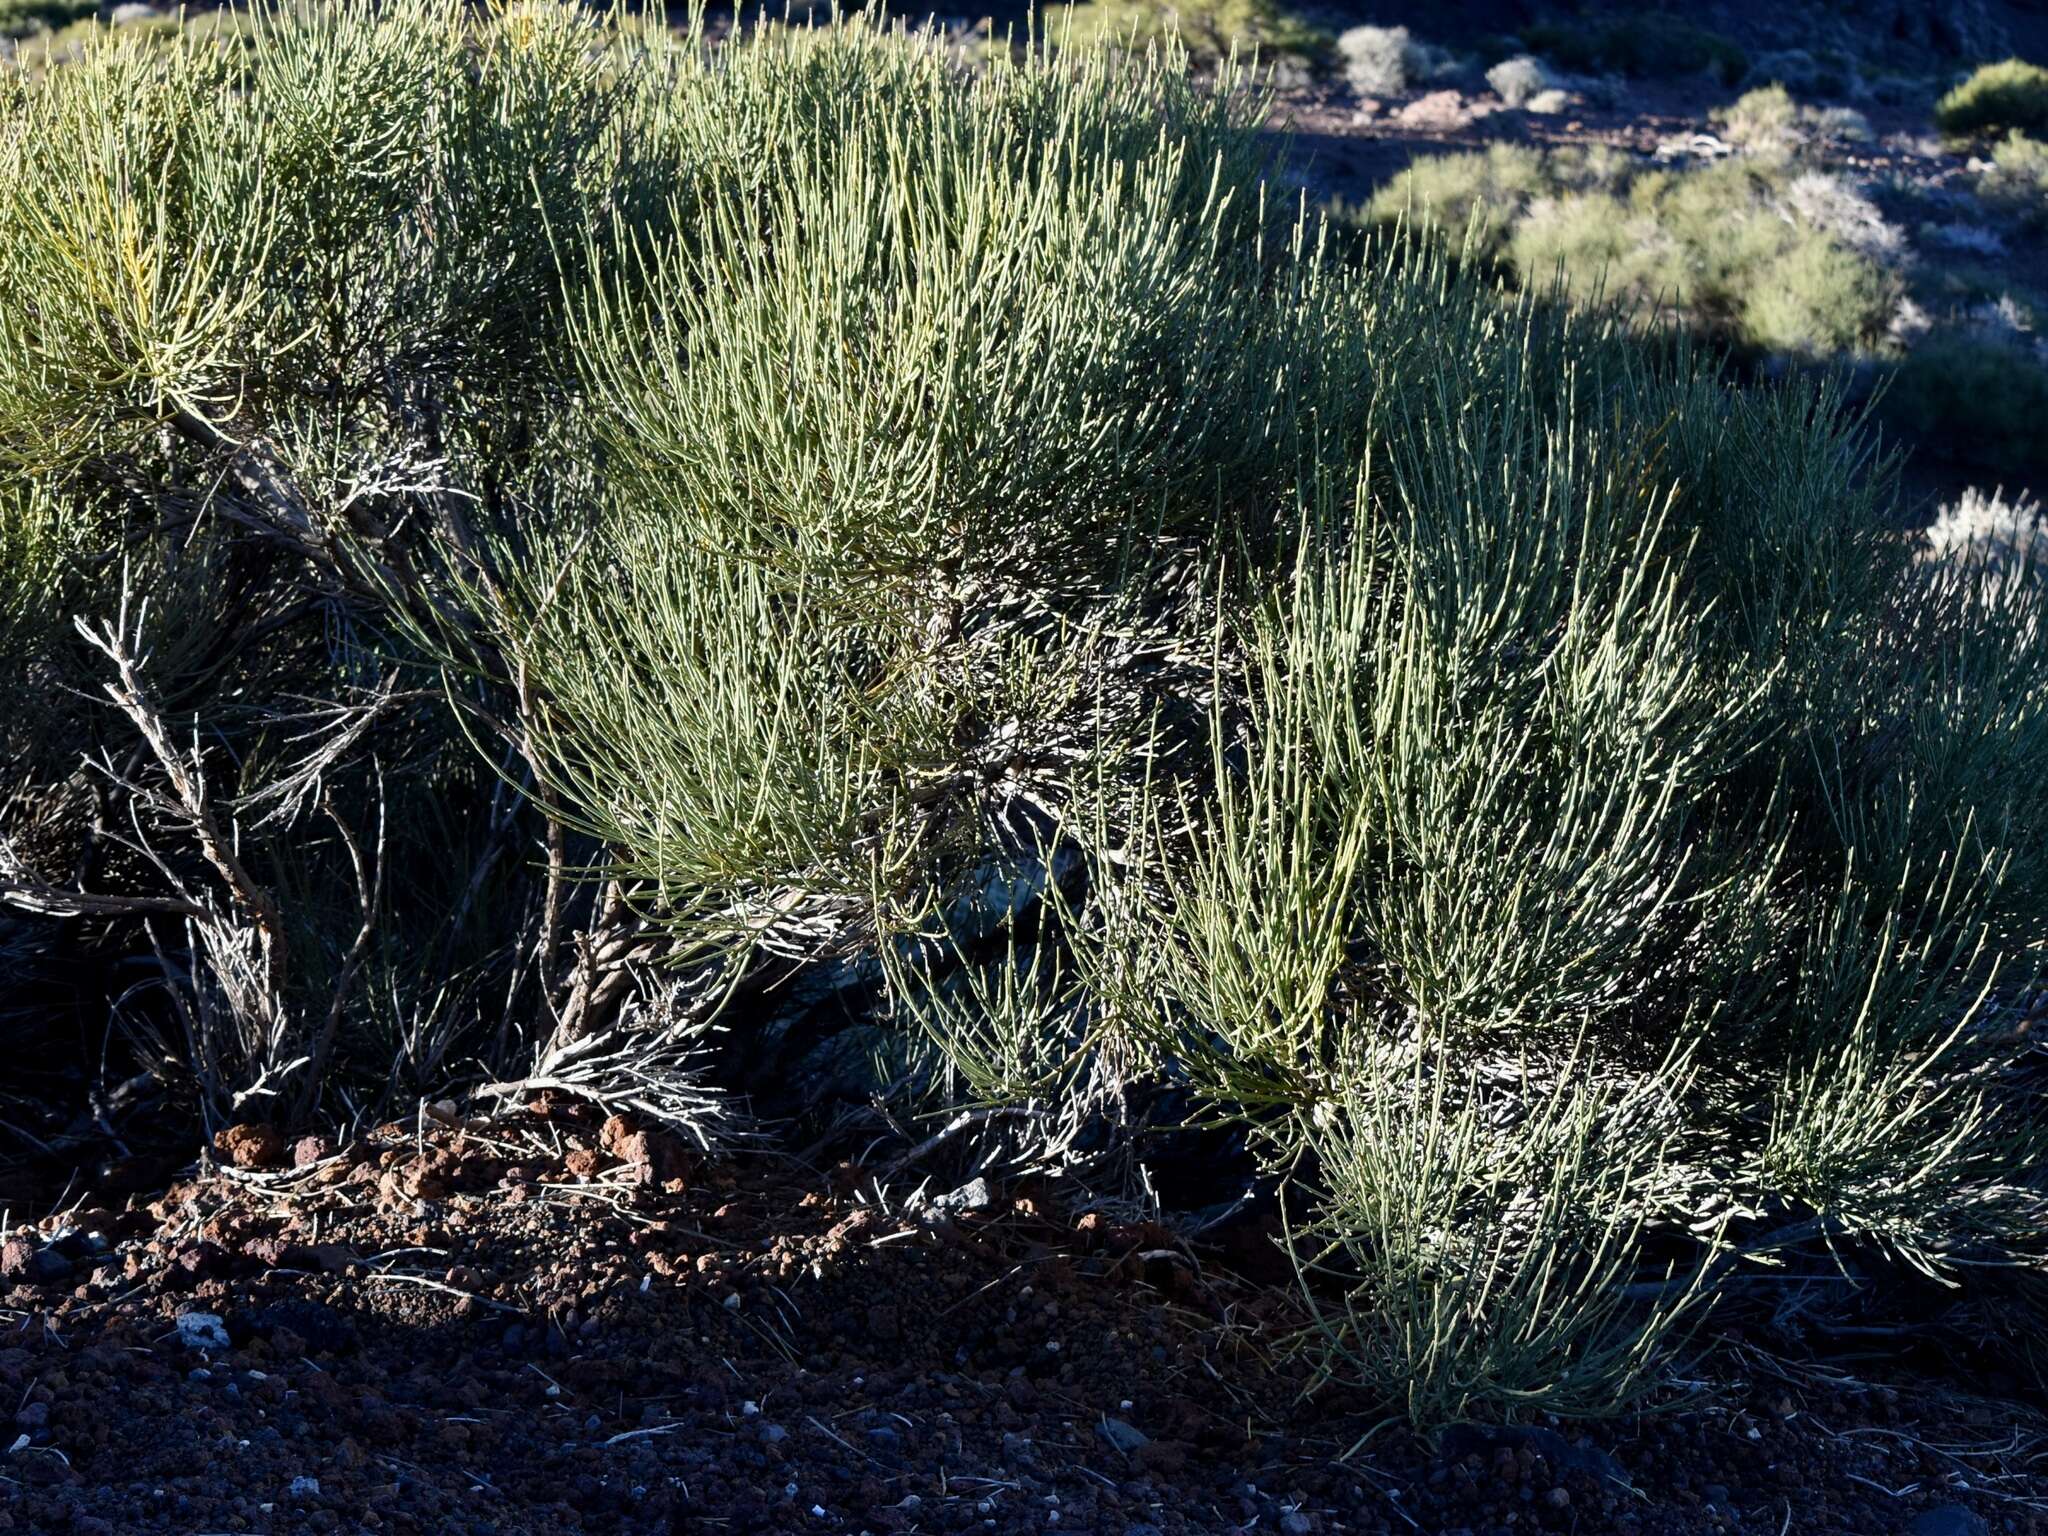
(2009, 95)
(575, 531)
(1754, 252)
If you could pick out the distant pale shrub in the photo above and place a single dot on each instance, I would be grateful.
(1839, 210)
(1375, 59)
(2008, 96)
(1763, 120)
(1972, 239)
(1767, 121)
(1845, 125)
(1518, 80)
(2016, 182)
(1732, 249)
(1385, 61)
(1988, 527)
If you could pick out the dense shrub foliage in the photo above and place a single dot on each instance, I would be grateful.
(574, 534)
(2017, 181)
(1210, 31)
(2011, 95)
(1756, 252)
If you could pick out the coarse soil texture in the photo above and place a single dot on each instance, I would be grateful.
(557, 1323)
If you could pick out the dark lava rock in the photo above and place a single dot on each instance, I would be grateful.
(1124, 1436)
(1949, 1520)
(203, 1261)
(318, 1325)
(1487, 1441)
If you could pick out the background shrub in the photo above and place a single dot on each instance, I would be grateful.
(20, 18)
(1823, 72)
(1991, 527)
(1767, 121)
(1209, 30)
(2016, 183)
(1741, 250)
(1515, 81)
(1379, 61)
(1470, 201)
(2011, 95)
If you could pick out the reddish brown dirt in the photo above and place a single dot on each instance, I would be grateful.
(514, 1331)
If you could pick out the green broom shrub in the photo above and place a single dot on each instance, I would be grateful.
(2011, 95)
(796, 510)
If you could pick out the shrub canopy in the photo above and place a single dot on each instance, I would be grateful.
(2009, 95)
(581, 534)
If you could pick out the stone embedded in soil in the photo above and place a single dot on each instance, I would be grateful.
(1950, 1520)
(308, 1150)
(275, 1252)
(654, 1156)
(22, 1259)
(203, 1330)
(251, 1146)
(202, 1261)
(971, 1196)
(1123, 1435)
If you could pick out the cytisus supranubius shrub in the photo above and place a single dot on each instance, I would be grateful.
(556, 533)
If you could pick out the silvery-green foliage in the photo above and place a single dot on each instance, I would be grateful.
(1518, 80)
(1990, 526)
(1376, 59)
(607, 523)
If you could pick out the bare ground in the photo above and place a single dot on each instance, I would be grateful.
(544, 1325)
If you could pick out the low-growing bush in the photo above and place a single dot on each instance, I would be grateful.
(2016, 183)
(1767, 121)
(1988, 527)
(1471, 201)
(1762, 120)
(1516, 81)
(1376, 59)
(1384, 61)
(1998, 98)
(582, 536)
(1781, 263)
(1210, 30)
